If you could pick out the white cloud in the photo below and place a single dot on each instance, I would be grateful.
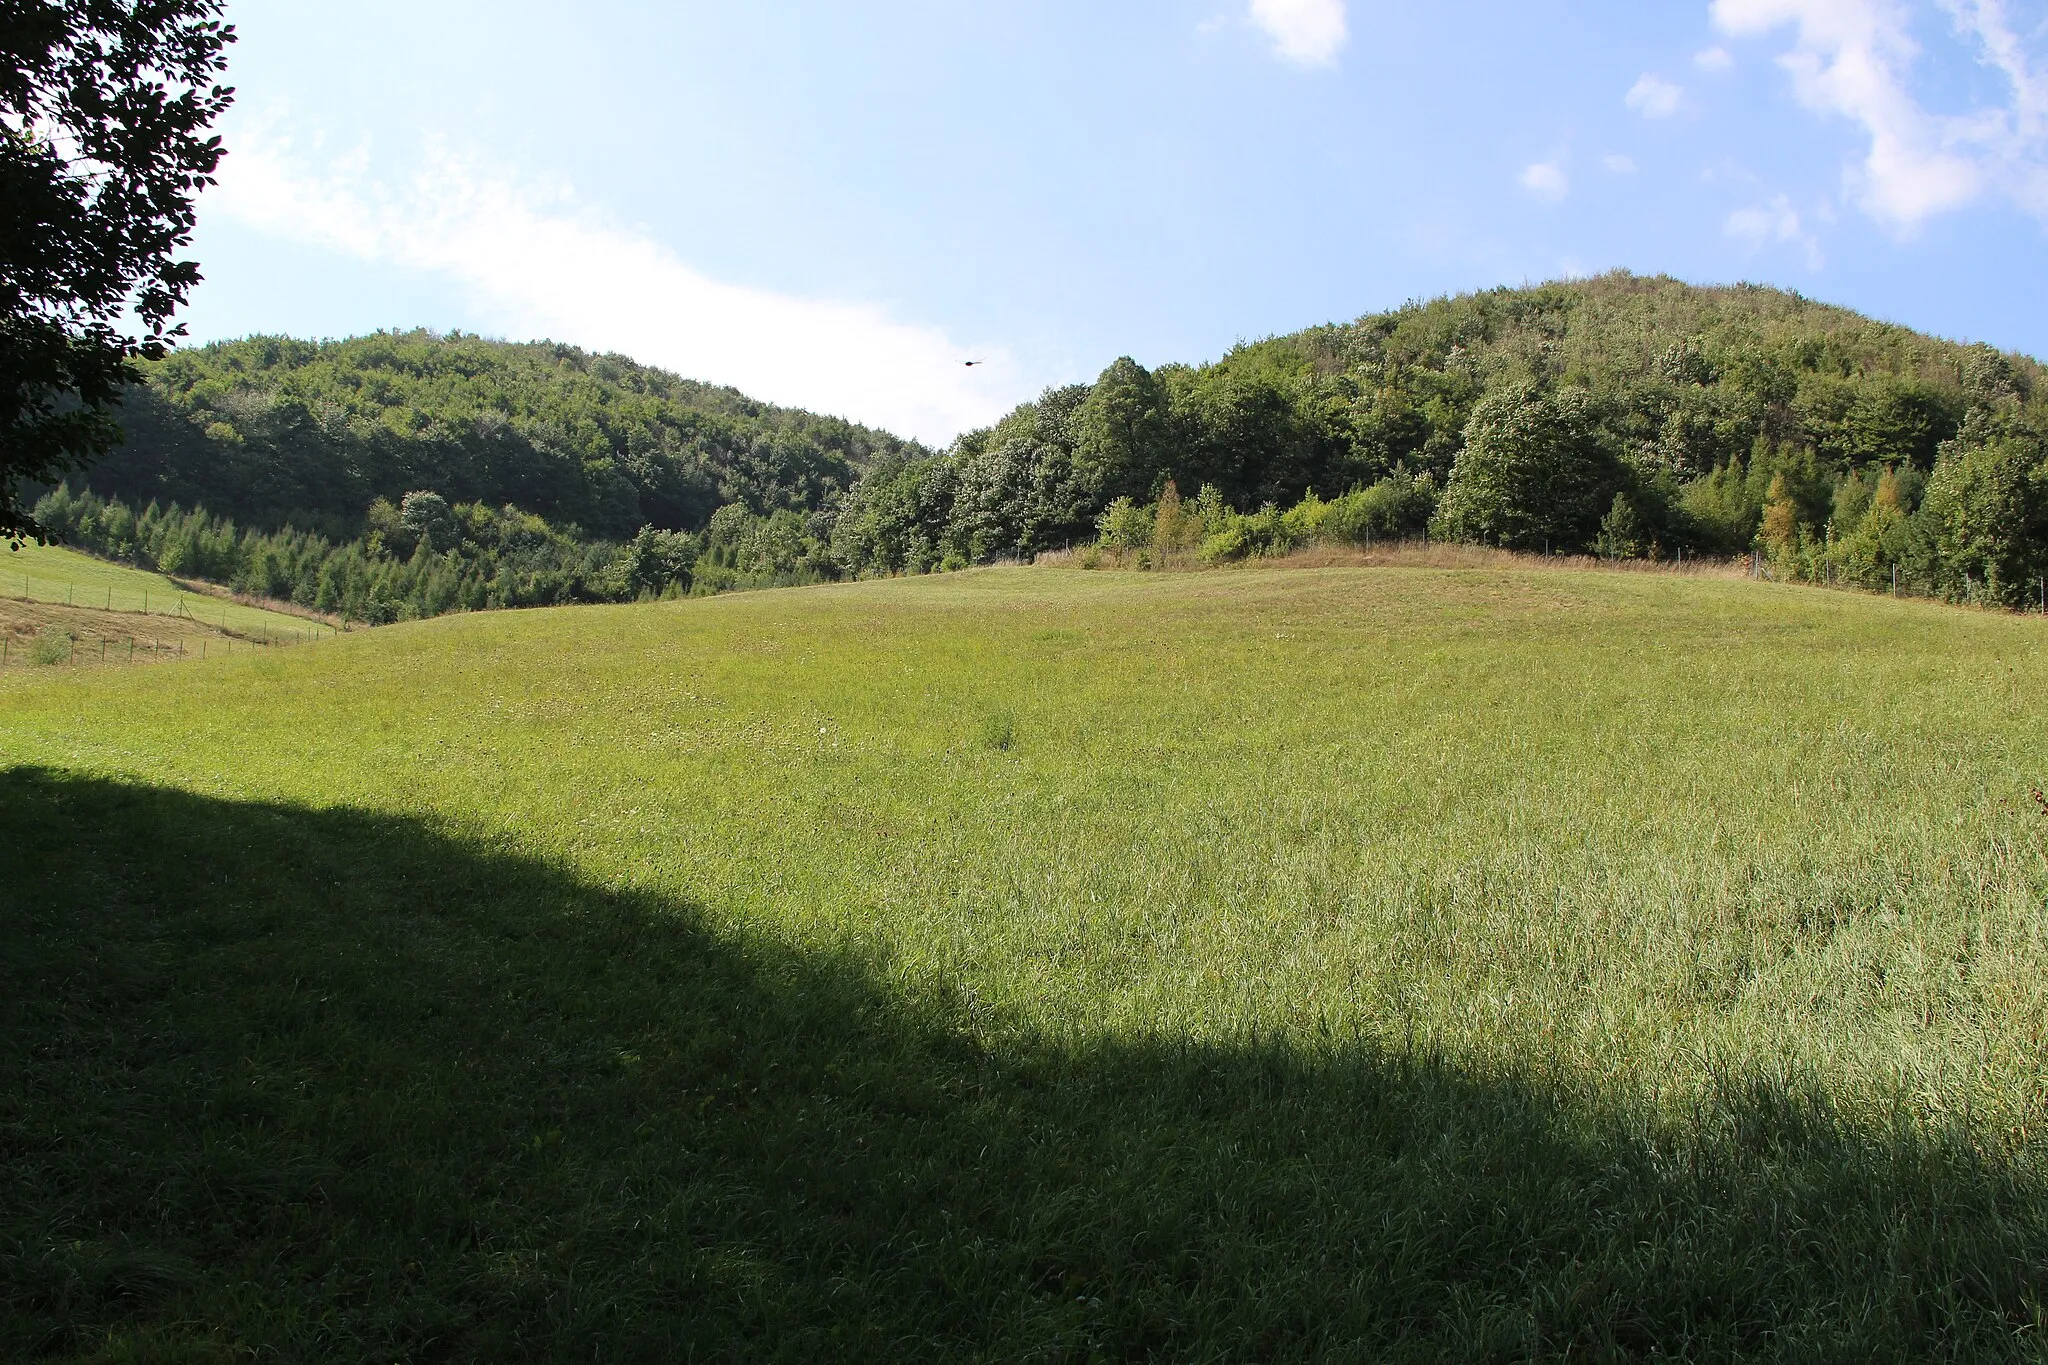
(2020, 131)
(1619, 164)
(537, 262)
(1308, 32)
(1854, 58)
(1547, 180)
(1762, 225)
(1653, 96)
(1713, 59)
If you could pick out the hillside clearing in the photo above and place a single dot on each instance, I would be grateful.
(39, 634)
(53, 574)
(1432, 963)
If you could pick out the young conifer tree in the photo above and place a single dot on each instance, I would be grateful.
(1169, 529)
(1779, 534)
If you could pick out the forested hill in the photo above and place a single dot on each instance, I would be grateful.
(1622, 414)
(1625, 413)
(1685, 378)
(271, 431)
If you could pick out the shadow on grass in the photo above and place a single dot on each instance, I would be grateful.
(328, 1085)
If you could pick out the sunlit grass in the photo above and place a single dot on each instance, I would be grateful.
(53, 574)
(1703, 866)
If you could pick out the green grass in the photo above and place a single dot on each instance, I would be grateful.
(1021, 965)
(50, 573)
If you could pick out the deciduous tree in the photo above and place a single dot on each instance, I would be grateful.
(1537, 470)
(104, 112)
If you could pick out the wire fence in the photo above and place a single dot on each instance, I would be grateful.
(1901, 582)
(256, 623)
(62, 649)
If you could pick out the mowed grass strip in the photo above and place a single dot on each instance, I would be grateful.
(1041, 964)
(53, 574)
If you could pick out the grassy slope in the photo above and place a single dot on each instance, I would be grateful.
(50, 573)
(1473, 963)
(35, 636)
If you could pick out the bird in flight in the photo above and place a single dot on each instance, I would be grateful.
(970, 364)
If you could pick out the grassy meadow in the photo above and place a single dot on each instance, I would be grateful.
(54, 575)
(1486, 964)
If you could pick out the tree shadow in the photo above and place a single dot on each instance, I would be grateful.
(321, 1084)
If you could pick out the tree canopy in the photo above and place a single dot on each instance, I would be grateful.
(1529, 411)
(1537, 471)
(104, 107)
(275, 432)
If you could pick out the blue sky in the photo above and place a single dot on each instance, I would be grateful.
(833, 204)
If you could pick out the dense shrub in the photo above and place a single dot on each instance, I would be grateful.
(1398, 507)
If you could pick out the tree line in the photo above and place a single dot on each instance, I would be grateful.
(425, 556)
(1622, 416)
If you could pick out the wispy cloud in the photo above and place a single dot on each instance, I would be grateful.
(538, 262)
(1307, 32)
(1714, 59)
(1547, 181)
(1855, 59)
(2020, 130)
(1775, 222)
(1619, 164)
(1654, 97)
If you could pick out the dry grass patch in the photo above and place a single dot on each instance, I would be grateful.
(94, 637)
